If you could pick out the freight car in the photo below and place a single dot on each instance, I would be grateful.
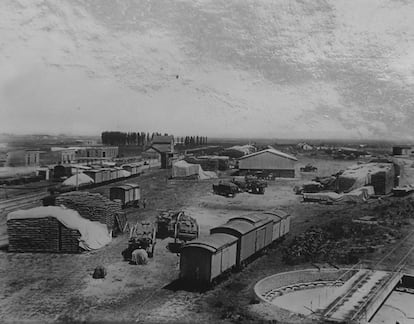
(254, 233)
(129, 194)
(203, 261)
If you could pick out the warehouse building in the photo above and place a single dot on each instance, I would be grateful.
(96, 154)
(27, 158)
(404, 150)
(271, 163)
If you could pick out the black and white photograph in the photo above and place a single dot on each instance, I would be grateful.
(207, 161)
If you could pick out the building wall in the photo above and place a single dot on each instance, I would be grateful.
(68, 156)
(107, 152)
(397, 150)
(23, 158)
(266, 161)
(58, 157)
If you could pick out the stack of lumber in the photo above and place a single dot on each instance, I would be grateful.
(41, 235)
(92, 206)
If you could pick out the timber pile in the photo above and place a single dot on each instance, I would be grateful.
(41, 235)
(92, 206)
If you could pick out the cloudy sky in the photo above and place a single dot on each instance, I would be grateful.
(285, 68)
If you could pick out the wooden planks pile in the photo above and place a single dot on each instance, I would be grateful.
(92, 206)
(41, 235)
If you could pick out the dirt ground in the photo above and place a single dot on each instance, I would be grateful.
(58, 287)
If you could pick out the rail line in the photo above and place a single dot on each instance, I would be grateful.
(397, 269)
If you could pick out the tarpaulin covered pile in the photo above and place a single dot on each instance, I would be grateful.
(78, 180)
(357, 195)
(93, 235)
(379, 175)
(182, 169)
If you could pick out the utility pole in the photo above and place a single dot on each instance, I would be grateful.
(77, 178)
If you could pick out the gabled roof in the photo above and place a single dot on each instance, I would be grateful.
(161, 148)
(272, 151)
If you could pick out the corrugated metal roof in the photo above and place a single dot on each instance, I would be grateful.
(272, 151)
(213, 242)
(241, 227)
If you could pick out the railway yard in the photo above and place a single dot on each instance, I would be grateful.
(49, 287)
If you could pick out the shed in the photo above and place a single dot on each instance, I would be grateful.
(202, 260)
(270, 161)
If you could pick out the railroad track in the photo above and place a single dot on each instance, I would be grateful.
(24, 201)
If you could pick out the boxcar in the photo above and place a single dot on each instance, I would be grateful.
(129, 194)
(282, 225)
(265, 238)
(203, 260)
(129, 168)
(114, 174)
(96, 175)
(106, 175)
(246, 235)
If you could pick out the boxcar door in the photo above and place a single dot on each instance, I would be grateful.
(228, 257)
(260, 238)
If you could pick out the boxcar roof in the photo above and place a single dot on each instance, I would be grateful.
(278, 213)
(253, 218)
(213, 242)
(240, 226)
(133, 185)
(124, 187)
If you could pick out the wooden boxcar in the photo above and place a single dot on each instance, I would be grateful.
(244, 231)
(129, 168)
(259, 221)
(96, 175)
(129, 194)
(284, 224)
(203, 260)
(106, 175)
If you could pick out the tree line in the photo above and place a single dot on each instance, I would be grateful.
(143, 139)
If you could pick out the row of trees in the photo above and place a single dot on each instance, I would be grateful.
(130, 138)
(142, 138)
(192, 140)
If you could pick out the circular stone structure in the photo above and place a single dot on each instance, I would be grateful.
(305, 291)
